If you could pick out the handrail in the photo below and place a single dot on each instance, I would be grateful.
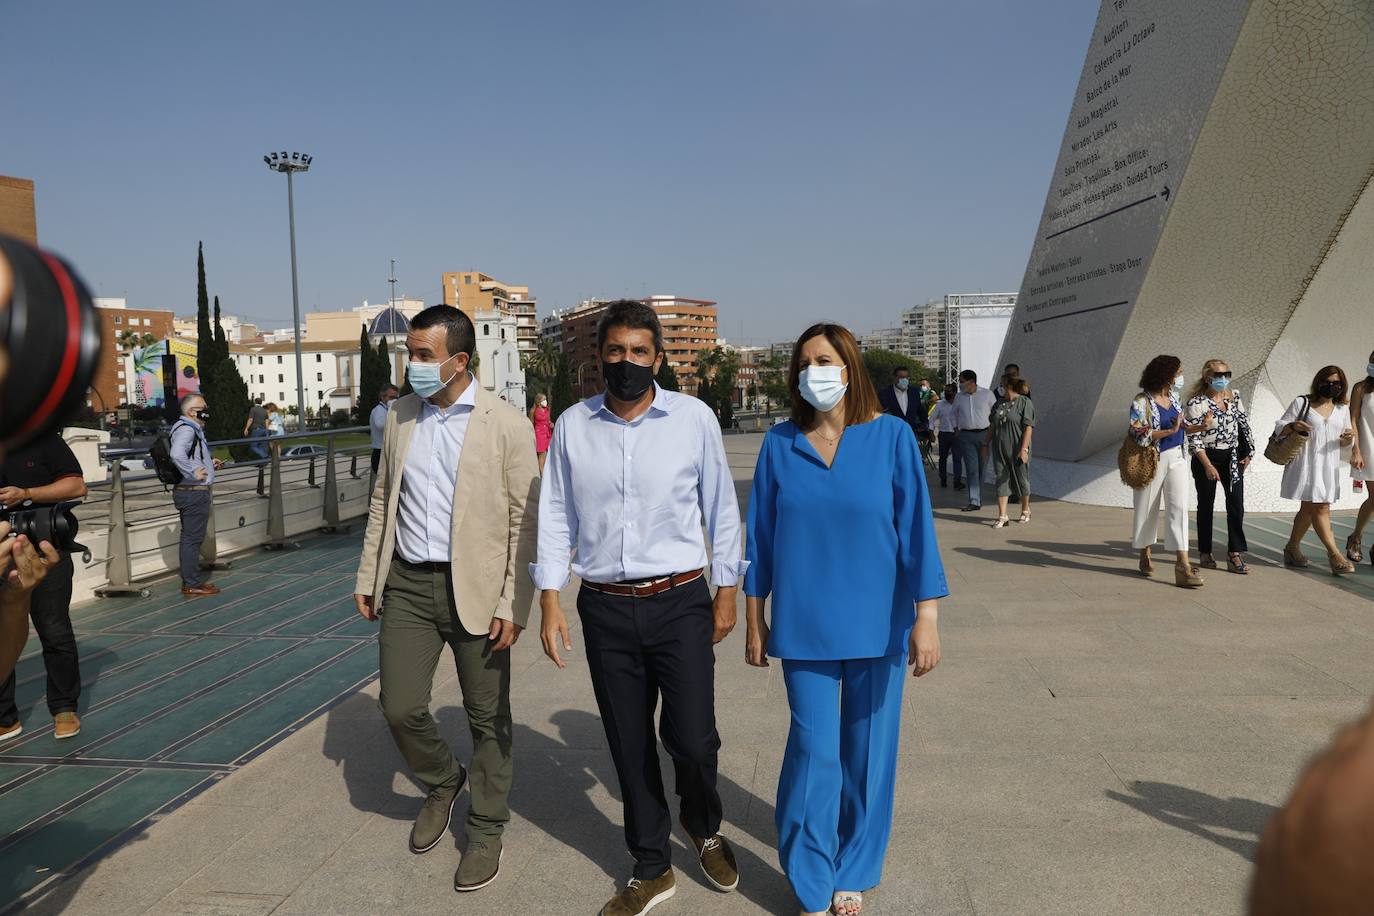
(338, 431)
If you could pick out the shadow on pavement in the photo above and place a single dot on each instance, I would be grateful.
(1201, 814)
(1039, 555)
(556, 781)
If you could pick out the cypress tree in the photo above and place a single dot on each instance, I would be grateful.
(205, 335)
(367, 375)
(383, 365)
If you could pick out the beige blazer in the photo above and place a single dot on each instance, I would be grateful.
(495, 512)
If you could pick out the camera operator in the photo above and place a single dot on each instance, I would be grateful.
(45, 471)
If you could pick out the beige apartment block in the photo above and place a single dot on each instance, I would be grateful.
(474, 292)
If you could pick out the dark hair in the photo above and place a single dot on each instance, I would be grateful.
(1010, 366)
(1321, 377)
(460, 336)
(1019, 385)
(1159, 375)
(631, 315)
(385, 388)
(896, 369)
(968, 375)
(860, 401)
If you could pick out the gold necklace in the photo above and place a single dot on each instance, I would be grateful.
(826, 439)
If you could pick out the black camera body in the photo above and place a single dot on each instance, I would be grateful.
(54, 523)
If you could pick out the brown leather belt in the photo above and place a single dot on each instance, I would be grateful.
(645, 589)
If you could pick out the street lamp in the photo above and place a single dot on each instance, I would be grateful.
(291, 163)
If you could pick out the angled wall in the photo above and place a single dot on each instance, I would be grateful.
(1209, 201)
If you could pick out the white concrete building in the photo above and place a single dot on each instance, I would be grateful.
(499, 370)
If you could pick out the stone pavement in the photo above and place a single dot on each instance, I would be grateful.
(1092, 743)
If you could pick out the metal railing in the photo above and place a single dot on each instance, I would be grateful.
(136, 499)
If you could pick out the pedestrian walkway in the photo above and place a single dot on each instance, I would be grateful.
(1094, 742)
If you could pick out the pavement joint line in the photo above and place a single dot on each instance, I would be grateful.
(272, 607)
(128, 764)
(65, 808)
(100, 851)
(251, 705)
(195, 695)
(344, 696)
(134, 639)
(181, 638)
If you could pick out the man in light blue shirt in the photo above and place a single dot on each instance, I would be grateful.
(630, 478)
(377, 421)
(191, 454)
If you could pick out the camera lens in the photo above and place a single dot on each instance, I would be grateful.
(55, 524)
(52, 335)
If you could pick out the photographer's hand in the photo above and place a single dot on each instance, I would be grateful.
(11, 496)
(29, 564)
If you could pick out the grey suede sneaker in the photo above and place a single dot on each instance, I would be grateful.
(480, 866)
(435, 815)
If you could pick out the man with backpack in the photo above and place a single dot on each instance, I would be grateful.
(195, 467)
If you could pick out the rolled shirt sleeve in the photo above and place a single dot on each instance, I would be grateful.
(720, 509)
(557, 519)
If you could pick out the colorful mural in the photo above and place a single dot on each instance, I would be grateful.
(148, 371)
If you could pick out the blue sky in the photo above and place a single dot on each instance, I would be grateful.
(792, 159)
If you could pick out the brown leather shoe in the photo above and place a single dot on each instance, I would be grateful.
(717, 861)
(640, 897)
(66, 725)
(200, 591)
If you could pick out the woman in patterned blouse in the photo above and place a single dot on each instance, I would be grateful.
(1221, 453)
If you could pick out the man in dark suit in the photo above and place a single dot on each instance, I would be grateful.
(903, 403)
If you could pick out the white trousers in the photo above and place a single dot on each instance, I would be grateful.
(1170, 485)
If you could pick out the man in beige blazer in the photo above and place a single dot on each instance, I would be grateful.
(450, 533)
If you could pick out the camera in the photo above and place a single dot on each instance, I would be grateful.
(55, 524)
(50, 331)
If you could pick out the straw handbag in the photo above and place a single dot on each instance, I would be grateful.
(1137, 463)
(1283, 449)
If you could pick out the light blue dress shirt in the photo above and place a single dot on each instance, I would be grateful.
(190, 451)
(424, 514)
(847, 550)
(629, 498)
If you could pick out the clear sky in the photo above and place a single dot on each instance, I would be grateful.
(792, 159)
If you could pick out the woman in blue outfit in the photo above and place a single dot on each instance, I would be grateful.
(840, 535)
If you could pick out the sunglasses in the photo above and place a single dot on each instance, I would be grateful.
(1221, 375)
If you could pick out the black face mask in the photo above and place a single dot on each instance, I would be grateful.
(626, 380)
(202, 415)
(1330, 390)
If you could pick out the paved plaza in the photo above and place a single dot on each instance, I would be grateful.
(1092, 743)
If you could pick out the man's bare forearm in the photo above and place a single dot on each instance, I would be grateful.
(14, 628)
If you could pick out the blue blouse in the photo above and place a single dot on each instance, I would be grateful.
(844, 551)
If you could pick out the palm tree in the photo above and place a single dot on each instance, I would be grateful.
(127, 339)
(543, 362)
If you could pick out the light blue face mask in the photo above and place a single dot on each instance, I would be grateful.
(1179, 382)
(424, 377)
(1370, 370)
(1220, 384)
(821, 386)
(903, 383)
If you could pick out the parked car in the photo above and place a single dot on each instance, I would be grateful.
(304, 451)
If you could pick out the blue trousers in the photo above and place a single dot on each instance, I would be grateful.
(834, 811)
(970, 444)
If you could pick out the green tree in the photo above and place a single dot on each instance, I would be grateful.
(383, 365)
(561, 395)
(882, 363)
(227, 394)
(541, 369)
(717, 370)
(221, 342)
(772, 375)
(667, 377)
(205, 332)
(368, 385)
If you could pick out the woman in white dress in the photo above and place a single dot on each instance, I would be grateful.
(1314, 475)
(1362, 458)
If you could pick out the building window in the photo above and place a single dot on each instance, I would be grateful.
(319, 358)
(468, 279)
(280, 378)
(321, 396)
(279, 359)
(118, 320)
(281, 395)
(486, 330)
(319, 376)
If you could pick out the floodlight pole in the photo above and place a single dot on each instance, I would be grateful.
(290, 164)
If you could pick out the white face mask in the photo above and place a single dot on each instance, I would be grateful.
(821, 386)
(1179, 382)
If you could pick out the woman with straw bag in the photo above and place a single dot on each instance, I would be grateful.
(1320, 420)
(1157, 420)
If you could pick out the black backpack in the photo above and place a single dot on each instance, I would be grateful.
(161, 453)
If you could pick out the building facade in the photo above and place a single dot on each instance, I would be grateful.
(122, 330)
(689, 326)
(891, 339)
(960, 331)
(475, 293)
(18, 216)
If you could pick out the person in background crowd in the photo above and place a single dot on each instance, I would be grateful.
(633, 475)
(450, 528)
(926, 395)
(840, 535)
(191, 453)
(1158, 420)
(1313, 476)
(376, 421)
(256, 427)
(1009, 436)
(1313, 857)
(276, 426)
(1009, 372)
(1362, 458)
(974, 408)
(901, 402)
(945, 419)
(543, 428)
(45, 471)
(1221, 454)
